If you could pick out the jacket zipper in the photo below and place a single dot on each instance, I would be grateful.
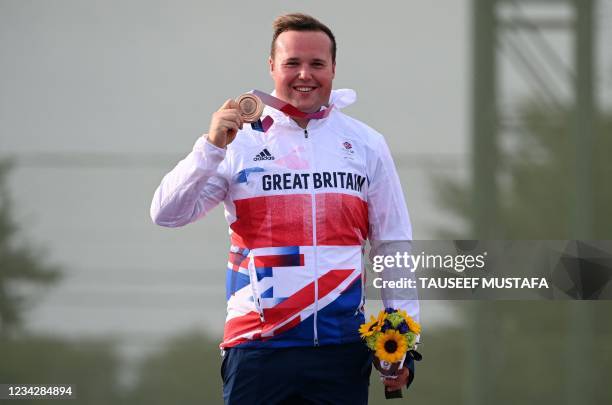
(314, 249)
(360, 308)
(256, 297)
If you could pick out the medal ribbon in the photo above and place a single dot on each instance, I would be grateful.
(264, 124)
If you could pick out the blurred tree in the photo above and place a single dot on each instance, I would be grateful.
(20, 265)
(186, 371)
(91, 367)
(536, 180)
(525, 344)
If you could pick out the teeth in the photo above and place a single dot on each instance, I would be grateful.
(304, 89)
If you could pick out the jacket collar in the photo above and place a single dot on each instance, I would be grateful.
(340, 98)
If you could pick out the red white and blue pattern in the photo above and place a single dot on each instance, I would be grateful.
(271, 290)
(285, 291)
(298, 223)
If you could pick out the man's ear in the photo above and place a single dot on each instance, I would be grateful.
(271, 63)
(333, 70)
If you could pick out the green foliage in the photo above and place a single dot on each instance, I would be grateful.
(411, 339)
(186, 371)
(523, 347)
(525, 344)
(19, 264)
(437, 380)
(395, 319)
(537, 183)
(371, 342)
(91, 367)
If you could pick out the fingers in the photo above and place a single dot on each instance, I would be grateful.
(229, 111)
(229, 116)
(225, 123)
(229, 104)
(228, 125)
(393, 384)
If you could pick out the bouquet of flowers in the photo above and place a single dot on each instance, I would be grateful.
(390, 336)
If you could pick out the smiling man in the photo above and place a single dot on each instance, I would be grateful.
(301, 197)
(303, 65)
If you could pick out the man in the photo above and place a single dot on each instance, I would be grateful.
(300, 199)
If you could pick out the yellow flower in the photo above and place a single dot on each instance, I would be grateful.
(368, 328)
(412, 324)
(382, 315)
(391, 346)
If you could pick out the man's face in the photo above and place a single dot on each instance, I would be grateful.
(302, 69)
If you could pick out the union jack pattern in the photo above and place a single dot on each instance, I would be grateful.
(300, 203)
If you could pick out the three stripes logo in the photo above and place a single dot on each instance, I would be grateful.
(263, 155)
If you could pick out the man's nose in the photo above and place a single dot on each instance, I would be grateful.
(304, 73)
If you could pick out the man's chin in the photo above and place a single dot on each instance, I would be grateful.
(307, 108)
(306, 103)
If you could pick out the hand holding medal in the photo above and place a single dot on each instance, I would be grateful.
(248, 108)
(251, 106)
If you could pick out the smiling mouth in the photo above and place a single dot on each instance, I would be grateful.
(304, 89)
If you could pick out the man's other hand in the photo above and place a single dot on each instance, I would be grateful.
(393, 384)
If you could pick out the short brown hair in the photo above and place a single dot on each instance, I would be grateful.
(300, 22)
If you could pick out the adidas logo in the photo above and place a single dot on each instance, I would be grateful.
(263, 155)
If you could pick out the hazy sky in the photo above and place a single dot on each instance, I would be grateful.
(99, 99)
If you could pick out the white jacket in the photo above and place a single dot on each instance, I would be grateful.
(300, 204)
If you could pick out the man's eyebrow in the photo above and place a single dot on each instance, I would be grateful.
(315, 60)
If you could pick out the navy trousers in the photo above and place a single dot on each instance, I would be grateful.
(335, 374)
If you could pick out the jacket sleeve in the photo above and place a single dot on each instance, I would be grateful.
(193, 188)
(391, 232)
(390, 228)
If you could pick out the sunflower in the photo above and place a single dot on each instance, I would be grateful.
(391, 346)
(368, 328)
(412, 324)
(382, 315)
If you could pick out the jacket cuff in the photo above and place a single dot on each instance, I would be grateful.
(206, 155)
(410, 366)
(410, 359)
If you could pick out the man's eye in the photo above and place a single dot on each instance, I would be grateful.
(291, 64)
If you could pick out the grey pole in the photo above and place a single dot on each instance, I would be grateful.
(484, 191)
(580, 329)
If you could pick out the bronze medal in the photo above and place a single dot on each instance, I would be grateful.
(250, 107)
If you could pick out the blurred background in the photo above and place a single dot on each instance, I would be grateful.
(498, 115)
